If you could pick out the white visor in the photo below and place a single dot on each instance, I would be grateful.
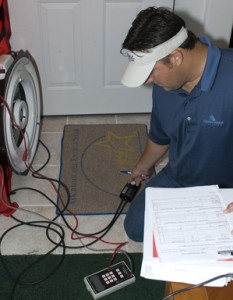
(141, 63)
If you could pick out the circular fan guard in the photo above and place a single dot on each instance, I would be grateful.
(20, 114)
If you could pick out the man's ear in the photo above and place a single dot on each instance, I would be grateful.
(176, 57)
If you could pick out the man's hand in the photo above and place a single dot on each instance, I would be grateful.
(139, 175)
(151, 155)
(229, 208)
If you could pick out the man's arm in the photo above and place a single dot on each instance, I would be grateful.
(145, 165)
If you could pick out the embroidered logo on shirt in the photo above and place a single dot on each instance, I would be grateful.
(213, 122)
(130, 57)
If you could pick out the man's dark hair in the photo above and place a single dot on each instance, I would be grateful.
(154, 26)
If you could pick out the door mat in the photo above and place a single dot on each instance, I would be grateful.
(92, 157)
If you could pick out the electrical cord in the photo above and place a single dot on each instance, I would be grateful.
(130, 260)
(18, 281)
(104, 231)
(197, 285)
(48, 158)
(36, 174)
(119, 210)
(81, 235)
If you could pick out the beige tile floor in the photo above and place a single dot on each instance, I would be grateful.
(33, 207)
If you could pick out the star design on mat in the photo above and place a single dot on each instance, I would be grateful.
(117, 143)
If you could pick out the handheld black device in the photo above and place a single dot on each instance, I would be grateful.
(129, 191)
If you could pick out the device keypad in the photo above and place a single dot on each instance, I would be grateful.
(109, 280)
(111, 277)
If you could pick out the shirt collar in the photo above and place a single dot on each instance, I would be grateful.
(211, 67)
(210, 70)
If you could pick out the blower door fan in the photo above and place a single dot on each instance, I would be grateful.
(20, 114)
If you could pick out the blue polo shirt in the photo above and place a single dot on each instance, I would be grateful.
(198, 125)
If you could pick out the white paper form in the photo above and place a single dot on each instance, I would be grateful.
(192, 273)
(189, 223)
